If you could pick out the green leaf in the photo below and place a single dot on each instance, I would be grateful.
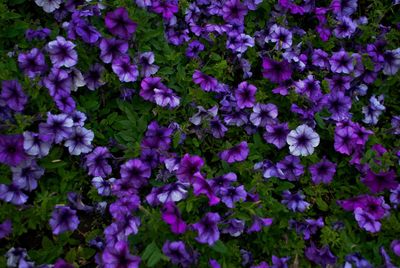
(322, 205)
(152, 254)
(220, 247)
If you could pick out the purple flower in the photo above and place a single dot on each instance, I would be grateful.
(26, 174)
(166, 97)
(233, 11)
(62, 52)
(276, 71)
(63, 219)
(234, 227)
(146, 62)
(320, 58)
(338, 105)
(13, 194)
(39, 34)
(37, 144)
(345, 28)
(290, 168)
(263, 114)
(217, 129)
(391, 63)
(207, 228)
(13, 95)
(231, 195)
(123, 68)
(366, 220)
(165, 7)
(206, 82)
(96, 162)
(48, 5)
(173, 192)
(237, 153)
(177, 253)
(240, 43)
(202, 186)
(93, 77)
(79, 141)
(188, 167)
(322, 256)
(103, 186)
(112, 48)
(65, 103)
(302, 140)
(148, 85)
(279, 35)
(57, 82)
(58, 126)
(32, 63)
(135, 171)
(117, 255)
(344, 7)
(323, 171)
(373, 110)
(295, 202)
(171, 216)
(5, 228)
(381, 181)
(308, 87)
(357, 260)
(276, 134)
(119, 23)
(341, 62)
(157, 137)
(194, 48)
(395, 245)
(245, 95)
(12, 149)
(258, 224)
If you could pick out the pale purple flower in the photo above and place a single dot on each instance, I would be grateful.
(112, 48)
(62, 52)
(26, 174)
(295, 202)
(279, 35)
(13, 194)
(366, 220)
(276, 134)
(231, 195)
(146, 63)
(79, 141)
(263, 114)
(235, 227)
(123, 68)
(207, 228)
(49, 5)
(103, 186)
(341, 62)
(302, 140)
(237, 153)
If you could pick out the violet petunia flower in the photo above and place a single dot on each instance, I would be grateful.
(96, 162)
(233, 11)
(112, 48)
(13, 95)
(157, 137)
(80, 141)
(59, 126)
(5, 228)
(341, 62)
(245, 95)
(207, 228)
(103, 186)
(165, 97)
(148, 85)
(323, 171)
(39, 34)
(391, 63)
(165, 7)
(309, 87)
(206, 82)
(276, 134)
(237, 153)
(395, 246)
(119, 23)
(32, 63)
(193, 49)
(57, 82)
(12, 149)
(366, 220)
(338, 105)
(276, 71)
(290, 168)
(231, 195)
(263, 114)
(202, 186)
(322, 256)
(26, 174)
(345, 28)
(258, 224)
(146, 63)
(93, 77)
(188, 167)
(123, 68)
(295, 202)
(63, 219)
(177, 253)
(279, 35)
(235, 227)
(117, 255)
(62, 53)
(302, 141)
(171, 216)
(13, 194)
(377, 182)
(135, 171)
(49, 6)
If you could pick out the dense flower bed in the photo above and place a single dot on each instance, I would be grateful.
(221, 133)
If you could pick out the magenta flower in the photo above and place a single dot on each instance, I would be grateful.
(171, 216)
(188, 167)
(119, 23)
(202, 186)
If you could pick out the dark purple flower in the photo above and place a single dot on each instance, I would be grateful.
(62, 52)
(338, 105)
(206, 82)
(12, 149)
(165, 7)
(146, 62)
(112, 48)
(233, 11)
(339, 82)
(341, 62)
(263, 114)
(135, 171)
(235, 227)
(171, 216)
(96, 162)
(202, 186)
(93, 77)
(276, 134)
(26, 174)
(118, 256)
(64, 102)
(245, 95)
(345, 28)
(279, 262)
(323, 171)
(5, 228)
(80, 141)
(308, 87)
(344, 7)
(119, 23)
(322, 256)
(57, 82)
(13, 95)
(63, 219)
(295, 202)
(157, 137)
(217, 129)
(344, 140)
(148, 85)
(237, 153)
(123, 68)
(230, 195)
(177, 253)
(281, 36)
(188, 166)
(320, 58)
(290, 168)
(32, 63)
(39, 34)
(194, 48)
(58, 126)
(207, 228)
(60, 263)
(276, 71)
(381, 181)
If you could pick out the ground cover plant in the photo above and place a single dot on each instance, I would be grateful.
(227, 133)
